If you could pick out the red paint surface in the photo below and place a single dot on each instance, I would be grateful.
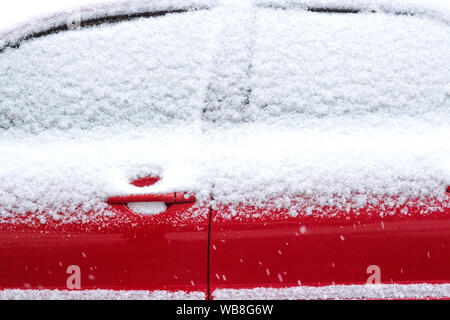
(282, 251)
(129, 251)
(169, 251)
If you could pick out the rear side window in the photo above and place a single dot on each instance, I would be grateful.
(308, 65)
(334, 64)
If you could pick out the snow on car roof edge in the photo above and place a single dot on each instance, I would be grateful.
(22, 26)
(26, 27)
(433, 8)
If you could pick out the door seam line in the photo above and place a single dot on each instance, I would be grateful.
(208, 257)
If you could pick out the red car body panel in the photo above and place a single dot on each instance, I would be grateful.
(172, 251)
(276, 251)
(127, 252)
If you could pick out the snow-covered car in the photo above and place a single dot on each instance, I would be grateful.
(260, 149)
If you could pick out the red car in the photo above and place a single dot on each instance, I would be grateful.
(258, 218)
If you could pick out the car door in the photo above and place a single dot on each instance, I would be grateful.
(99, 83)
(129, 251)
(307, 65)
(278, 252)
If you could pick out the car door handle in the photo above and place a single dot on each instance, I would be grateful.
(168, 198)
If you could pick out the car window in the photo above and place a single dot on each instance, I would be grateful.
(142, 71)
(317, 65)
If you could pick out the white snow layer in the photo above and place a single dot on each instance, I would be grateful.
(397, 6)
(339, 292)
(252, 104)
(29, 294)
(24, 17)
(147, 208)
(380, 291)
